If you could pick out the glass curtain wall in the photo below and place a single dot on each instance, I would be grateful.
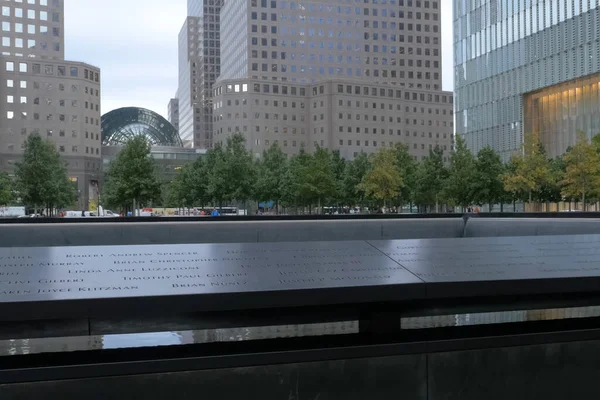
(559, 112)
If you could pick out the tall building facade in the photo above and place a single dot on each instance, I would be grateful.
(526, 67)
(199, 67)
(173, 111)
(352, 70)
(43, 94)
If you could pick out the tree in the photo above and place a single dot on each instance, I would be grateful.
(181, 189)
(407, 167)
(384, 180)
(582, 176)
(338, 167)
(132, 177)
(353, 176)
(460, 184)
(318, 180)
(240, 169)
(488, 187)
(271, 174)
(41, 179)
(218, 175)
(531, 169)
(6, 189)
(431, 179)
(551, 191)
(310, 179)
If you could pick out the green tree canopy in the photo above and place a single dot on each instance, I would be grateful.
(384, 180)
(431, 180)
(271, 175)
(338, 168)
(132, 177)
(460, 185)
(241, 172)
(6, 189)
(218, 174)
(408, 168)
(41, 178)
(487, 187)
(356, 170)
(531, 169)
(582, 176)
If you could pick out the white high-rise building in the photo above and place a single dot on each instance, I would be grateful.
(199, 67)
(360, 75)
(43, 94)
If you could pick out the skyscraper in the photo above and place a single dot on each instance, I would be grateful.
(199, 66)
(526, 67)
(360, 75)
(43, 94)
(173, 111)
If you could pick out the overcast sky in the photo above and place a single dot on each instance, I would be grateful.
(135, 45)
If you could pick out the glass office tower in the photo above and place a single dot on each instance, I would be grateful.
(526, 66)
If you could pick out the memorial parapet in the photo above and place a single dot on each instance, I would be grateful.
(72, 282)
(86, 282)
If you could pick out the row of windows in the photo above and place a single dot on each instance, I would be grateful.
(348, 11)
(24, 115)
(341, 89)
(61, 70)
(348, 59)
(60, 148)
(51, 132)
(55, 3)
(321, 7)
(348, 72)
(357, 117)
(19, 12)
(10, 99)
(10, 83)
(346, 44)
(32, 29)
(341, 129)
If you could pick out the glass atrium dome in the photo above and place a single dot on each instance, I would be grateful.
(118, 126)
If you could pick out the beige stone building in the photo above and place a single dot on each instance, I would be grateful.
(349, 116)
(43, 94)
(348, 76)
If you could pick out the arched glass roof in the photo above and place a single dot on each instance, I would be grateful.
(118, 126)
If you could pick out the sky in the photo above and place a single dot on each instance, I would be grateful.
(136, 48)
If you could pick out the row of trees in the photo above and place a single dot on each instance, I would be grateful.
(40, 180)
(390, 177)
(575, 176)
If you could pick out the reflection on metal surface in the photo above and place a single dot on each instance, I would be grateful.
(502, 317)
(137, 340)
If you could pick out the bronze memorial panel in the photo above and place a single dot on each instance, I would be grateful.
(238, 274)
(500, 265)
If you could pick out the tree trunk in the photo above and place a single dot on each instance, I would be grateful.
(514, 206)
(490, 207)
(583, 200)
(501, 206)
(134, 208)
(277, 207)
